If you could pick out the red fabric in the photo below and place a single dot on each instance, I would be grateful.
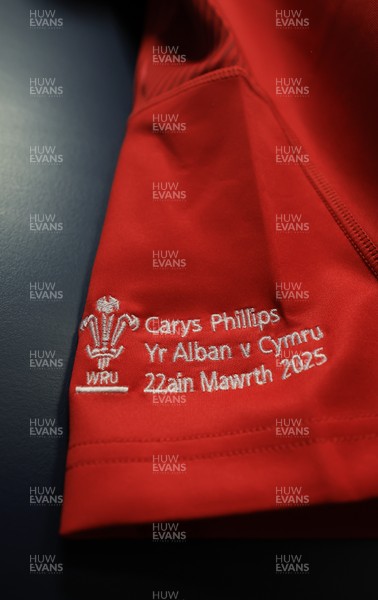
(233, 255)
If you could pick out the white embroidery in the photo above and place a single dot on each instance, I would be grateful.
(159, 383)
(107, 328)
(104, 343)
(245, 349)
(217, 381)
(267, 344)
(103, 389)
(106, 331)
(193, 351)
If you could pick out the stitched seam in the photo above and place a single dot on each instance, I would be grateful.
(316, 179)
(367, 260)
(339, 212)
(224, 50)
(218, 435)
(211, 455)
(219, 74)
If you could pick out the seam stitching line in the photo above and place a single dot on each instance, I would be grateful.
(261, 449)
(219, 435)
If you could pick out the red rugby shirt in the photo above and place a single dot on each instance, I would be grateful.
(226, 360)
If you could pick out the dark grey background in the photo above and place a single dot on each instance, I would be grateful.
(93, 58)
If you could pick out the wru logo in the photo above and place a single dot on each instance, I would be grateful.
(107, 333)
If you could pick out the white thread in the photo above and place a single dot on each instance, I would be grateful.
(102, 351)
(158, 326)
(193, 351)
(216, 381)
(292, 339)
(244, 318)
(106, 390)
